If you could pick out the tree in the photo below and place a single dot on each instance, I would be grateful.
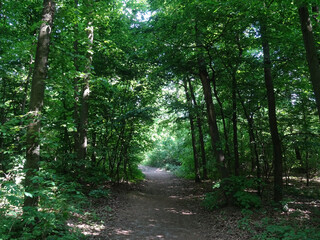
(84, 111)
(36, 103)
(311, 52)
(193, 134)
(200, 131)
(276, 143)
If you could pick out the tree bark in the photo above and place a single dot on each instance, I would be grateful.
(84, 112)
(307, 169)
(311, 52)
(212, 120)
(199, 124)
(298, 155)
(36, 103)
(67, 148)
(193, 135)
(253, 142)
(235, 125)
(211, 112)
(277, 152)
(223, 118)
(76, 87)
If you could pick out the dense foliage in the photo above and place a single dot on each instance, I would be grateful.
(211, 89)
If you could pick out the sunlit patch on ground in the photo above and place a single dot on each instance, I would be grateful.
(92, 229)
(85, 225)
(153, 223)
(123, 232)
(301, 210)
(160, 170)
(181, 212)
(303, 214)
(163, 207)
(189, 197)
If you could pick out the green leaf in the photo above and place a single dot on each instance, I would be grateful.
(28, 194)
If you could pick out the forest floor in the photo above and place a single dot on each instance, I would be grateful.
(161, 207)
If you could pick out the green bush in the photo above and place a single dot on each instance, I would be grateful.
(233, 190)
(99, 193)
(247, 200)
(288, 232)
(57, 199)
(214, 200)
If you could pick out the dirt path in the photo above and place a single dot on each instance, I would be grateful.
(166, 207)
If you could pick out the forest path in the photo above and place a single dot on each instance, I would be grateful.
(166, 207)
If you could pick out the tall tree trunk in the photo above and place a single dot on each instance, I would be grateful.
(234, 108)
(311, 52)
(125, 154)
(211, 112)
(67, 143)
(253, 142)
(307, 168)
(84, 112)
(199, 124)
(212, 120)
(125, 164)
(193, 135)
(298, 155)
(76, 114)
(215, 92)
(113, 157)
(277, 152)
(119, 154)
(36, 103)
(225, 133)
(235, 125)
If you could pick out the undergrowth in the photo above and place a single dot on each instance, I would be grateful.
(286, 230)
(233, 191)
(290, 221)
(59, 199)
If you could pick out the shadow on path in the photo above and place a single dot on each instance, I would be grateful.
(166, 207)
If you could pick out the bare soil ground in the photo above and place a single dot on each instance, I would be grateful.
(163, 207)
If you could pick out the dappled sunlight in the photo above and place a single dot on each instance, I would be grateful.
(188, 197)
(123, 232)
(159, 119)
(175, 197)
(152, 223)
(87, 227)
(315, 203)
(180, 212)
(301, 214)
(92, 229)
(162, 207)
(317, 179)
(301, 210)
(160, 236)
(160, 170)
